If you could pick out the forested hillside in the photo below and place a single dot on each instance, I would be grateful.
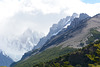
(88, 56)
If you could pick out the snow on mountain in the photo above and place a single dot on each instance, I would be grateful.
(16, 46)
(56, 28)
(71, 19)
(76, 21)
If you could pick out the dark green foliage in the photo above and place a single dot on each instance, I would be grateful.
(88, 56)
(81, 44)
(95, 35)
(78, 65)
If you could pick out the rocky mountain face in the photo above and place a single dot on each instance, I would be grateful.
(5, 60)
(56, 28)
(71, 35)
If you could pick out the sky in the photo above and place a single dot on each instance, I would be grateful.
(16, 16)
(91, 1)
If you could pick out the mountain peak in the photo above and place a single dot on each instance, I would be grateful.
(5, 60)
(97, 15)
(83, 16)
(75, 15)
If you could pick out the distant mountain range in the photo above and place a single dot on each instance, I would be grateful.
(5, 60)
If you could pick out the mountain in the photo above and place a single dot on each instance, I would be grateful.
(71, 36)
(81, 31)
(56, 28)
(5, 60)
(16, 46)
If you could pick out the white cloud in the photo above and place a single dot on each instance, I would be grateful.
(10, 8)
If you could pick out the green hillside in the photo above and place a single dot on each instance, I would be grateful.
(95, 35)
(88, 56)
(44, 56)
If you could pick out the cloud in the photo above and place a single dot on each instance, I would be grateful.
(8, 8)
(39, 14)
(20, 22)
(56, 6)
